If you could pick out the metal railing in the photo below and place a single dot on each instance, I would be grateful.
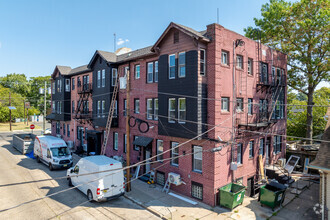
(85, 88)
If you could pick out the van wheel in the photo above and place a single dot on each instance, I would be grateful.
(89, 195)
(51, 167)
(38, 159)
(70, 182)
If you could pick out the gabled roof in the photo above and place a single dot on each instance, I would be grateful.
(107, 56)
(187, 30)
(135, 54)
(64, 70)
(79, 69)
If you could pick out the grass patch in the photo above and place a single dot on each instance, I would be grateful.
(16, 126)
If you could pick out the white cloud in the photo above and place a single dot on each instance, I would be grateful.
(122, 41)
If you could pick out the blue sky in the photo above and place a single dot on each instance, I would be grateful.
(36, 35)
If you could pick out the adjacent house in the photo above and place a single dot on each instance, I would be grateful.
(198, 90)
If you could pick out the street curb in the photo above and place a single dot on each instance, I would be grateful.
(145, 207)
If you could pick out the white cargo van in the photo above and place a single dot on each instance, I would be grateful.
(52, 151)
(107, 185)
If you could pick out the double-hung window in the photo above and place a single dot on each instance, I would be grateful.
(155, 109)
(264, 75)
(72, 106)
(197, 158)
(125, 107)
(114, 77)
(277, 144)
(64, 129)
(160, 150)
(103, 78)
(156, 71)
(224, 58)
(239, 62)
(103, 109)
(174, 153)
(115, 140)
(98, 108)
(182, 64)
(99, 79)
(239, 154)
(202, 62)
(239, 107)
(125, 143)
(250, 66)
(225, 104)
(182, 110)
(149, 109)
(251, 149)
(67, 85)
(54, 106)
(57, 128)
(53, 88)
(273, 75)
(250, 106)
(278, 73)
(171, 110)
(68, 130)
(150, 72)
(137, 72)
(171, 64)
(73, 84)
(136, 106)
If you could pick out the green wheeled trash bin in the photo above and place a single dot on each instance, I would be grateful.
(272, 194)
(231, 195)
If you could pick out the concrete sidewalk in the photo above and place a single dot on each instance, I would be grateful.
(166, 206)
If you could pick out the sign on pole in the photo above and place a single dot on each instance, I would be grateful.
(27, 104)
(32, 126)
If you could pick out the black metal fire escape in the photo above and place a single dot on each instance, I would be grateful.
(83, 113)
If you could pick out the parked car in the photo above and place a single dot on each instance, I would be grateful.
(48, 131)
(52, 151)
(98, 186)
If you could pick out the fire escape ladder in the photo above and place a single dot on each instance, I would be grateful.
(276, 96)
(110, 116)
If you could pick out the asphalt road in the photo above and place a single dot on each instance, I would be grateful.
(16, 168)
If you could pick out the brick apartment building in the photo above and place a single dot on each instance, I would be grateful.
(182, 86)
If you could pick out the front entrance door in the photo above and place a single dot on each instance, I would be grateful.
(148, 154)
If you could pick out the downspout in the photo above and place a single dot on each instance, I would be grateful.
(322, 194)
(234, 113)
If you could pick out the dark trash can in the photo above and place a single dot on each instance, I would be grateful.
(231, 195)
(272, 194)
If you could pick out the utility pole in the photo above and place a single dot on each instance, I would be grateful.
(24, 112)
(234, 111)
(45, 109)
(10, 112)
(114, 42)
(128, 174)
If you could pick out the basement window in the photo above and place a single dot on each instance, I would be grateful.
(197, 190)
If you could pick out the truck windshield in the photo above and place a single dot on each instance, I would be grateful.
(60, 151)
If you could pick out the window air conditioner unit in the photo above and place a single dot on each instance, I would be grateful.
(59, 136)
(174, 178)
(233, 166)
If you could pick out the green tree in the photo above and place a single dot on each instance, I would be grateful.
(37, 99)
(297, 112)
(18, 83)
(301, 30)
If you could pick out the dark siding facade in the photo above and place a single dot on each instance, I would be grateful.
(186, 86)
(102, 93)
(65, 98)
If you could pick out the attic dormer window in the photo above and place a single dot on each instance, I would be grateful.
(176, 37)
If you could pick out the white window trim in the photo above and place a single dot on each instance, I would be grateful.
(156, 72)
(169, 66)
(200, 60)
(227, 107)
(98, 108)
(150, 79)
(98, 80)
(182, 65)
(160, 157)
(149, 108)
(115, 142)
(171, 110)
(156, 114)
(195, 157)
(182, 121)
(227, 57)
(103, 78)
(137, 107)
(114, 76)
(174, 146)
(137, 76)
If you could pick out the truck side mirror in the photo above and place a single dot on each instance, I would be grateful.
(71, 171)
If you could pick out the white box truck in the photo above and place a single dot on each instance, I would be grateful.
(52, 151)
(99, 186)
